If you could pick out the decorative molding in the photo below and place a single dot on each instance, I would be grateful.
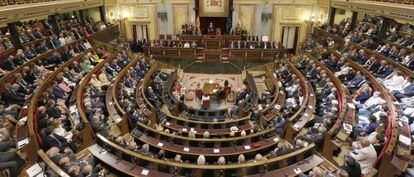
(139, 11)
(203, 12)
(187, 15)
(253, 16)
(294, 12)
(14, 13)
(390, 10)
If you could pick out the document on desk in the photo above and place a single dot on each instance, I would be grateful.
(350, 105)
(216, 151)
(404, 140)
(297, 170)
(22, 142)
(145, 172)
(35, 171)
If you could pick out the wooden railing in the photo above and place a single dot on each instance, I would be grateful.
(198, 170)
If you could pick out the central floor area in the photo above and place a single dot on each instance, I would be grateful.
(191, 81)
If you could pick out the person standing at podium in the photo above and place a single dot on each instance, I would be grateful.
(210, 29)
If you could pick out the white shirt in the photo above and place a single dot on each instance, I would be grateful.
(87, 45)
(394, 83)
(186, 45)
(62, 41)
(366, 157)
(344, 70)
(205, 98)
(373, 101)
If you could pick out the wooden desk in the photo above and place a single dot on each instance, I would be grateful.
(171, 52)
(256, 54)
(51, 164)
(290, 132)
(211, 88)
(213, 132)
(402, 129)
(279, 162)
(308, 164)
(268, 143)
(385, 168)
(346, 113)
(122, 165)
(183, 140)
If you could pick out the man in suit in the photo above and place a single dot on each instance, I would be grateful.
(361, 58)
(372, 64)
(9, 63)
(393, 37)
(407, 90)
(54, 140)
(384, 70)
(356, 82)
(11, 96)
(407, 41)
(240, 96)
(37, 34)
(28, 53)
(115, 66)
(10, 160)
(24, 38)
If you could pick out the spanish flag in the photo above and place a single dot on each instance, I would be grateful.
(198, 23)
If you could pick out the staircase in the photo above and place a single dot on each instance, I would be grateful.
(225, 55)
(200, 54)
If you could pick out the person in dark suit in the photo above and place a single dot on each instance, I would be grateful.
(384, 70)
(372, 65)
(361, 58)
(410, 64)
(38, 34)
(279, 124)
(240, 96)
(393, 37)
(365, 95)
(407, 41)
(10, 160)
(9, 63)
(352, 167)
(50, 44)
(314, 136)
(11, 96)
(99, 127)
(356, 82)
(24, 38)
(54, 140)
(29, 53)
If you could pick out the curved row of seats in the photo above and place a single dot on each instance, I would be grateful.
(394, 130)
(132, 167)
(16, 2)
(137, 136)
(43, 72)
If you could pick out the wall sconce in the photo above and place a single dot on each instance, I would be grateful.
(306, 18)
(162, 16)
(266, 17)
(125, 15)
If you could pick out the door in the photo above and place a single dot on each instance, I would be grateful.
(140, 31)
(290, 36)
